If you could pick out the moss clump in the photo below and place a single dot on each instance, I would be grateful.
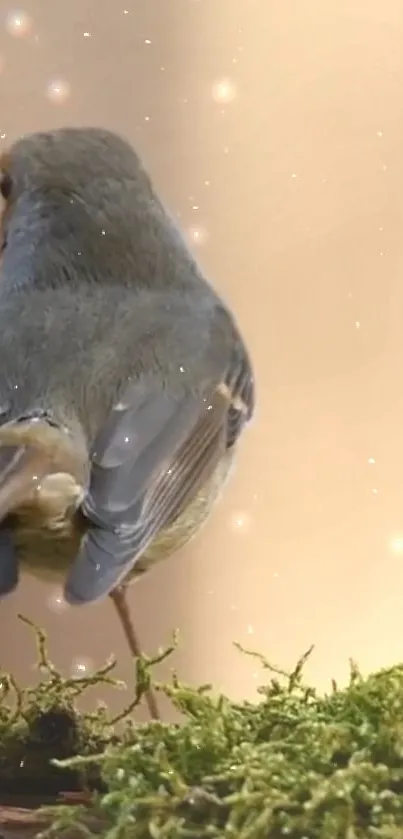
(41, 723)
(297, 764)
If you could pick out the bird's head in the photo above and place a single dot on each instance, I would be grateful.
(65, 158)
(56, 184)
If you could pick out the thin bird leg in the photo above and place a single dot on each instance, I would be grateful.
(118, 597)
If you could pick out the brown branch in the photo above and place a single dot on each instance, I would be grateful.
(25, 822)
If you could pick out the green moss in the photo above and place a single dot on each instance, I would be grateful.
(41, 723)
(297, 764)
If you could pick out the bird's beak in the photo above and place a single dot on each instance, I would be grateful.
(21, 470)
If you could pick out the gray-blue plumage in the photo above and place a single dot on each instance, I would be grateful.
(111, 337)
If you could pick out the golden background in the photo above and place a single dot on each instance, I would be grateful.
(274, 131)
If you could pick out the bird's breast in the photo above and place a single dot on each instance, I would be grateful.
(47, 530)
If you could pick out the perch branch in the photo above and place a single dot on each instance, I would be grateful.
(26, 823)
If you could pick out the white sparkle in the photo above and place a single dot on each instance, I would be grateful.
(147, 41)
(182, 369)
(375, 491)
(240, 521)
(371, 460)
(197, 234)
(58, 91)
(379, 133)
(87, 34)
(357, 324)
(56, 602)
(18, 23)
(294, 176)
(250, 630)
(147, 119)
(82, 667)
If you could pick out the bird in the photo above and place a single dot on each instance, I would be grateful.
(125, 382)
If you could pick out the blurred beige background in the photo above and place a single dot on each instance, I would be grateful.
(275, 132)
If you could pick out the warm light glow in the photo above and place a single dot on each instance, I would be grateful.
(58, 91)
(280, 166)
(224, 91)
(82, 667)
(396, 545)
(18, 23)
(56, 602)
(240, 521)
(197, 235)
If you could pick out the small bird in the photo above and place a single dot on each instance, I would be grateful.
(125, 383)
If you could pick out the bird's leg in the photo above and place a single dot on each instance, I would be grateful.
(118, 597)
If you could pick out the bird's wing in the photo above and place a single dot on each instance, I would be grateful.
(241, 389)
(150, 460)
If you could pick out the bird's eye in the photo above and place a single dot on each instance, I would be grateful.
(5, 185)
